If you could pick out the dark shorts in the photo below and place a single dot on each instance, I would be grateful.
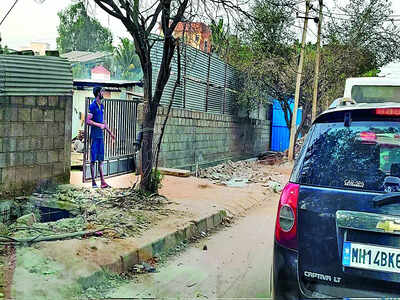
(97, 150)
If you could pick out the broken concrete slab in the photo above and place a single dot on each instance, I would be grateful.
(27, 220)
(174, 172)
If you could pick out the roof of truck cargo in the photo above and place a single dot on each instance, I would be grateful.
(350, 106)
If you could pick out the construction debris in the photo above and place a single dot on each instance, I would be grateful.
(174, 172)
(236, 173)
(110, 213)
(271, 157)
(27, 220)
(275, 186)
(144, 267)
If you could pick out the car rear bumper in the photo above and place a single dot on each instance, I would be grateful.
(285, 276)
(285, 282)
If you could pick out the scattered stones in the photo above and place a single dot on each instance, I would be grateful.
(143, 268)
(275, 186)
(27, 220)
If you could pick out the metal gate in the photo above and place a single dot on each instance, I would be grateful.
(119, 155)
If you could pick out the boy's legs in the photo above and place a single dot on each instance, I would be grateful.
(93, 158)
(103, 182)
(92, 173)
(100, 158)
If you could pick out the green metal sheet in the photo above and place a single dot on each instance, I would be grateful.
(194, 88)
(34, 75)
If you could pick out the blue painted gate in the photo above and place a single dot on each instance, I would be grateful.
(280, 132)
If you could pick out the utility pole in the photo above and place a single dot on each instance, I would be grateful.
(298, 82)
(317, 62)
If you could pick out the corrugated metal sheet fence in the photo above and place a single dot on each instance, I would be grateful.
(22, 75)
(208, 83)
(280, 132)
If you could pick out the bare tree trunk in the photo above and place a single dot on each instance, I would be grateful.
(150, 114)
(149, 117)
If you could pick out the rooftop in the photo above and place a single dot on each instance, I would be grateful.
(100, 70)
(105, 83)
(83, 56)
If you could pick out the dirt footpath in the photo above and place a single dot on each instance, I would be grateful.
(68, 263)
(202, 195)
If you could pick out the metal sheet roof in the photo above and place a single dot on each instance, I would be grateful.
(22, 75)
(106, 83)
(83, 56)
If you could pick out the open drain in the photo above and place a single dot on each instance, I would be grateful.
(49, 214)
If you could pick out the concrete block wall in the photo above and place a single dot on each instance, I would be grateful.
(35, 140)
(193, 137)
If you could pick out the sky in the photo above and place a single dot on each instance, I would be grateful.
(33, 22)
(30, 21)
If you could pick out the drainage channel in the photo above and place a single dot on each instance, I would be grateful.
(45, 210)
(49, 214)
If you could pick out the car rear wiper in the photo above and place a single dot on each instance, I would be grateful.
(389, 198)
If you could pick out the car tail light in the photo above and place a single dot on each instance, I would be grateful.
(286, 220)
(387, 111)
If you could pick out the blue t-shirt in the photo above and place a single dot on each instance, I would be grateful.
(98, 117)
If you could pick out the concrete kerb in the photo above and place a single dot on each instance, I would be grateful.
(157, 247)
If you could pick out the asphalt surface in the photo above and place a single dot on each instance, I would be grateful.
(236, 263)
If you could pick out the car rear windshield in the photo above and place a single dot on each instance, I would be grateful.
(365, 155)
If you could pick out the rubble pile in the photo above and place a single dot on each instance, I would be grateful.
(230, 173)
(230, 170)
(271, 157)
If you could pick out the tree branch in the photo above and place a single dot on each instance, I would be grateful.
(115, 13)
(154, 20)
(178, 16)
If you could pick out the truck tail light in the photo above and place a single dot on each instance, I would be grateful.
(388, 111)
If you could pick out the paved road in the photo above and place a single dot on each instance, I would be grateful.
(236, 264)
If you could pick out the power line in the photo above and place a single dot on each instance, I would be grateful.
(8, 12)
(330, 15)
(312, 32)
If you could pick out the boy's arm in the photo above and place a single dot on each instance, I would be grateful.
(108, 130)
(90, 122)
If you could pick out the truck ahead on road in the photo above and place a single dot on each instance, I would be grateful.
(373, 89)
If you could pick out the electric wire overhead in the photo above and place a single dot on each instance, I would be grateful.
(1, 22)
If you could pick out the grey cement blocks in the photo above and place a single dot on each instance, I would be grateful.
(34, 135)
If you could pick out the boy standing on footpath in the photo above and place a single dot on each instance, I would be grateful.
(96, 121)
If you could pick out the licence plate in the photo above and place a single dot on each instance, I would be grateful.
(371, 257)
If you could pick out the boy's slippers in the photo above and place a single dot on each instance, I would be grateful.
(105, 186)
